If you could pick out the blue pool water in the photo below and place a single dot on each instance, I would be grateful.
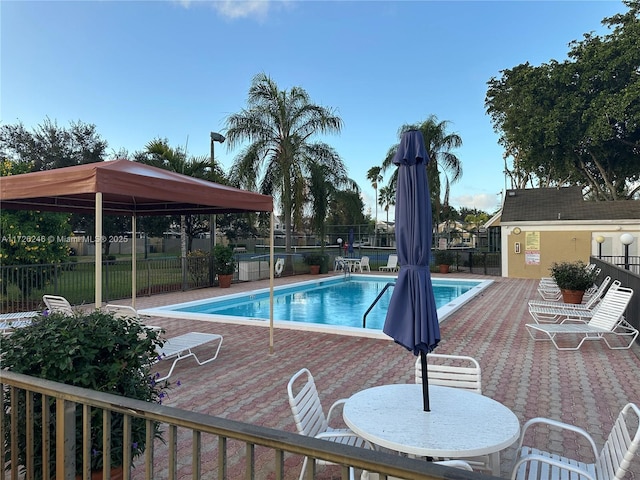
(337, 301)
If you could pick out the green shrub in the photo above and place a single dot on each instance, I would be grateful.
(97, 351)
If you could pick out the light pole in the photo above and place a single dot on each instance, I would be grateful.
(215, 137)
(626, 239)
(600, 241)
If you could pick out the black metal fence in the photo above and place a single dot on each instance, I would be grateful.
(481, 263)
(628, 277)
(22, 286)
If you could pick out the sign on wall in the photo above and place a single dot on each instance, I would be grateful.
(532, 248)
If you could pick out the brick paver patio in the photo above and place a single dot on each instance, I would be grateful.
(586, 387)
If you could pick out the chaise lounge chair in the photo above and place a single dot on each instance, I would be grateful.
(607, 321)
(392, 264)
(555, 312)
(56, 304)
(176, 348)
(549, 290)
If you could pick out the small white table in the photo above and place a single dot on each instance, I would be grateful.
(461, 424)
(351, 263)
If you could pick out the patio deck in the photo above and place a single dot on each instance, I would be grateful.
(586, 387)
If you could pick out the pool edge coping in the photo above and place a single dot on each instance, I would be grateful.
(443, 312)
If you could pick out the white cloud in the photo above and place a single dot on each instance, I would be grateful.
(482, 201)
(234, 9)
(242, 8)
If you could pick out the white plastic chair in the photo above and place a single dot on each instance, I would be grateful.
(363, 264)
(338, 264)
(461, 464)
(455, 371)
(392, 264)
(612, 462)
(56, 304)
(310, 418)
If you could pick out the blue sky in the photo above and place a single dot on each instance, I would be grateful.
(177, 69)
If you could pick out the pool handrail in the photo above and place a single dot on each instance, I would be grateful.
(364, 318)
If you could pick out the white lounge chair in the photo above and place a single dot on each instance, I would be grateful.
(176, 348)
(310, 418)
(57, 304)
(127, 311)
(550, 291)
(180, 347)
(612, 462)
(392, 264)
(555, 312)
(10, 321)
(608, 320)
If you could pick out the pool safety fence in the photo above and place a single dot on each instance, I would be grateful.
(190, 441)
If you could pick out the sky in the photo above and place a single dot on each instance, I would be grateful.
(175, 70)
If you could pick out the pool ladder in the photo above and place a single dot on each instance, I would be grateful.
(364, 318)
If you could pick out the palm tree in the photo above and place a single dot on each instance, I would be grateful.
(322, 187)
(373, 175)
(387, 199)
(439, 144)
(279, 126)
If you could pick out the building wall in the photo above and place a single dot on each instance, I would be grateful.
(542, 245)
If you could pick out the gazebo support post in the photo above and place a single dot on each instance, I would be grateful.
(98, 245)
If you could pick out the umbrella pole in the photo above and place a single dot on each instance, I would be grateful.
(425, 382)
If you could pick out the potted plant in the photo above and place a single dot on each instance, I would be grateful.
(315, 261)
(95, 350)
(443, 258)
(224, 264)
(573, 278)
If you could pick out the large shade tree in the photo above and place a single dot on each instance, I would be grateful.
(576, 122)
(49, 145)
(280, 127)
(443, 161)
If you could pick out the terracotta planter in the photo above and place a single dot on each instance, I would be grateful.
(444, 268)
(314, 269)
(224, 281)
(572, 296)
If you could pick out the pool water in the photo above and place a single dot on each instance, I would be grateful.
(338, 302)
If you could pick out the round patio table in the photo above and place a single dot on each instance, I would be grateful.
(461, 424)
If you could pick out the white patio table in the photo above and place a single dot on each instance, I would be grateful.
(461, 424)
(351, 263)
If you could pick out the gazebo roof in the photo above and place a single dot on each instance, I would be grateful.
(127, 188)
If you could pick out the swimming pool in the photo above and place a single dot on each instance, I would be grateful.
(337, 304)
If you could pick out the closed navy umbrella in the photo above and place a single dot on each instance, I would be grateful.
(412, 318)
(351, 241)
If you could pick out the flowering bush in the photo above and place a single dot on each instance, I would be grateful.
(98, 351)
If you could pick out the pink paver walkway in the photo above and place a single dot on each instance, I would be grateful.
(586, 387)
